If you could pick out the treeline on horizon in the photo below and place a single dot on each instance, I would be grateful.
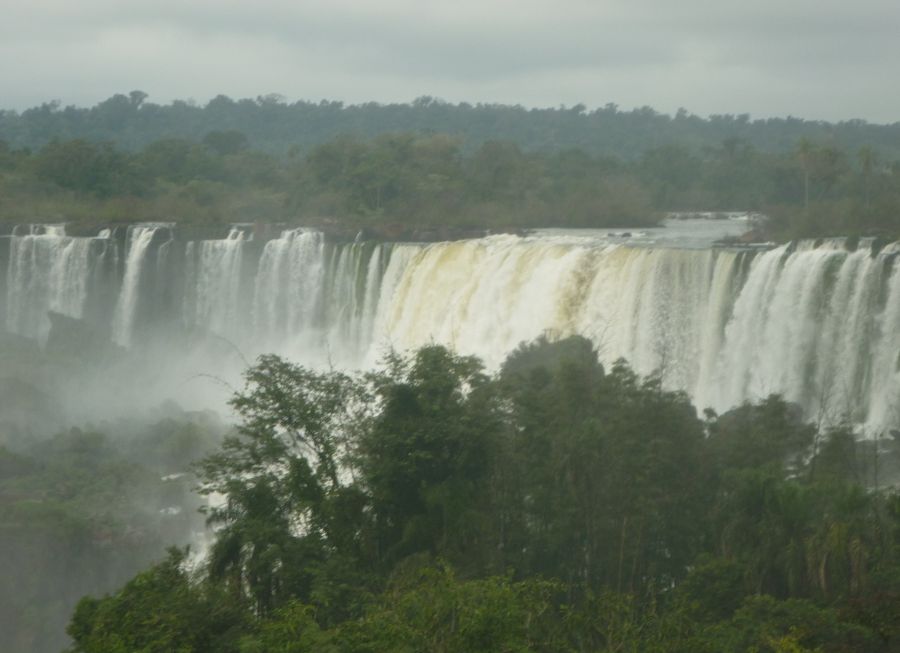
(555, 506)
(413, 179)
(276, 126)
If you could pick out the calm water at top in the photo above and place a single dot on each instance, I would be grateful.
(688, 233)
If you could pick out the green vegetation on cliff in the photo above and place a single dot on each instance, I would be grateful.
(396, 178)
(400, 180)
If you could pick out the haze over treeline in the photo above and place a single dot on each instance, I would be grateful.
(273, 125)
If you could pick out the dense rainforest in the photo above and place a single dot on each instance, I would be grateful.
(553, 506)
(430, 163)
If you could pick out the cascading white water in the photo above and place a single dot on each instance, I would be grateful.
(288, 291)
(379, 300)
(47, 271)
(139, 239)
(662, 309)
(213, 284)
(883, 406)
(352, 291)
(808, 324)
(814, 322)
(317, 302)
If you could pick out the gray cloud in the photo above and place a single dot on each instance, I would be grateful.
(820, 60)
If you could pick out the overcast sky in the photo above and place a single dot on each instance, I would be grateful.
(816, 59)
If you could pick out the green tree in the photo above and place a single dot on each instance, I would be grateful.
(427, 456)
(805, 151)
(597, 466)
(158, 611)
(86, 167)
(868, 159)
(178, 160)
(771, 432)
(285, 502)
(226, 142)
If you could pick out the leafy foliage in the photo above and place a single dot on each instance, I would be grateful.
(273, 125)
(398, 182)
(556, 506)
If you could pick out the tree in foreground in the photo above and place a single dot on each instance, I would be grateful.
(554, 506)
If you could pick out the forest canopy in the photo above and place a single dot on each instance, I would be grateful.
(553, 506)
(409, 179)
(276, 126)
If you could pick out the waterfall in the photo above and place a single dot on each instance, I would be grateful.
(288, 291)
(352, 290)
(315, 301)
(139, 239)
(818, 322)
(662, 309)
(47, 271)
(804, 326)
(883, 412)
(380, 300)
(213, 284)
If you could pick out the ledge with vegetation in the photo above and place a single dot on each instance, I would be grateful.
(430, 186)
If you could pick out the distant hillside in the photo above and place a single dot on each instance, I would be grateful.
(277, 127)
